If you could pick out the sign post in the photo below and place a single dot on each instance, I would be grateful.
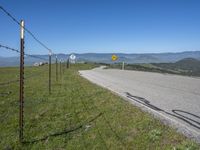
(123, 65)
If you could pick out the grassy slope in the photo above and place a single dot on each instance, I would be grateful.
(144, 67)
(77, 115)
(187, 66)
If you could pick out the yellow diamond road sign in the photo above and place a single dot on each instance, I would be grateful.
(114, 57)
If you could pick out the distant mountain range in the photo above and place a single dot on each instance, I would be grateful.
(189, 66)
(186, 66)
(106, 58)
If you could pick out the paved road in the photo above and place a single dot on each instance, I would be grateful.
(173, 99)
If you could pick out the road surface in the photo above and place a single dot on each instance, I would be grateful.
(173, 99)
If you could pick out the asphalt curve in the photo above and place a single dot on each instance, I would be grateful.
(173, 99)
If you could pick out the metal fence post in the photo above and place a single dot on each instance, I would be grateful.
(21, 92)
(63, 67)
(68, 63)
(50, 73)
(56, 68)
(60, 70)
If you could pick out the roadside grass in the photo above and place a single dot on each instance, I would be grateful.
(169, 68)
(146, 67)
(77, 115)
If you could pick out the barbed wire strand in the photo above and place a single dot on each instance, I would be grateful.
(17, 80)
(28, 31)
(16, 50)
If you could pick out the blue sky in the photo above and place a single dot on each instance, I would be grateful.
(103, 26)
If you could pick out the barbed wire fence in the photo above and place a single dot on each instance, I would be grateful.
(58, 70)
(21, 78)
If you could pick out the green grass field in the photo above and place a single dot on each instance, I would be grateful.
(145, 67)
(77, 115)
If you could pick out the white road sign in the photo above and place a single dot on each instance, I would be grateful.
(72, 57)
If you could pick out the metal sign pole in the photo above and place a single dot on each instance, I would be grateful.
(123, 65)
(21, 92)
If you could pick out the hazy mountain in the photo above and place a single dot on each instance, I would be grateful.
(189, 66)
(146, 59)
(139, 58)
(106, 58)
(183, 64)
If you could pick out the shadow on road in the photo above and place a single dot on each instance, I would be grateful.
(180, 114)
